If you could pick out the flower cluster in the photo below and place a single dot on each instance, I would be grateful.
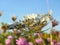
(8, 40)
(29, 31)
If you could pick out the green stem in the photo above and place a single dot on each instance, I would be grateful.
(38, 44)
(12, 42)
(33, 40)
(32, 37)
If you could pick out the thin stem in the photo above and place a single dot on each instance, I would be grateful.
(32, 37)
(38, 44)
(51, 39)
(12, 42)
(33, 40)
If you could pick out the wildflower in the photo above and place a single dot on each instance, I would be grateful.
(54, 23)
(10, 37)
(21, 41)
(14, 18)
(30, 43)
(54, 42)
(58, 43)
(39, 40)
(50, 12)
(7, 41)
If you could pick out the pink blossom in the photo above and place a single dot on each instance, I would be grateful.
(10, 37)
(7, 41)
(21, 41)
(39, 40)
(58, 43)
(30, 43)
(54, 42)
(48, 39)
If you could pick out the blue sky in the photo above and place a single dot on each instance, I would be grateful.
(23, 7)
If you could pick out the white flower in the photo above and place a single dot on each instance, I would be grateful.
(50, 12)
(43, 19)
(47, 19)
(30, 16)
(33, 16)
(39, 15)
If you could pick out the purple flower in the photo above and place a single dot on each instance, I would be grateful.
(30, 43)
(7, 41)
(21, 41)
(39, 40)
(10, 37)
(58, 43)
(54, 42)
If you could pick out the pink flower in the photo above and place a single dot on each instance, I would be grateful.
(10, 37)
(58, 43)
(30, 43)
(48, 39)
(7, 41)
(21, 41)
(54, 42)
(39, 40)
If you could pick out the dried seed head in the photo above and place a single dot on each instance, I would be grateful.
(54, 23)
(14, 18)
